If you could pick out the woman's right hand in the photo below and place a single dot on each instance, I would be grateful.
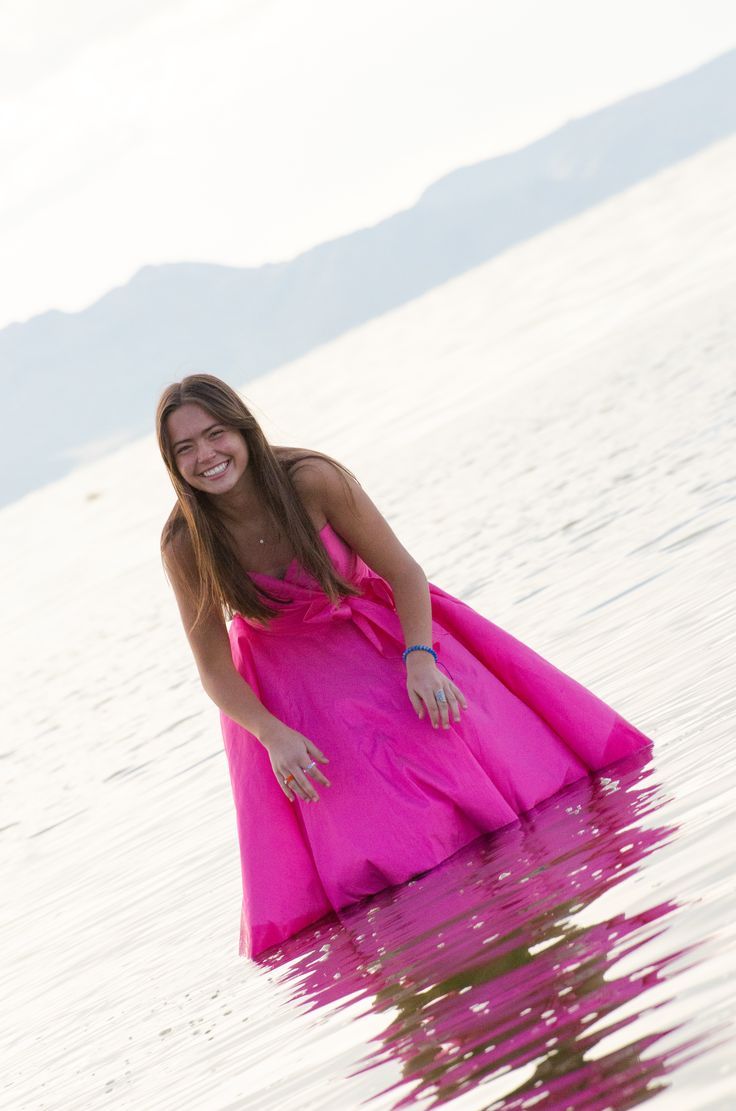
(294, 758)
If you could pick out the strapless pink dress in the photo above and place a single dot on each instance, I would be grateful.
(404, 796)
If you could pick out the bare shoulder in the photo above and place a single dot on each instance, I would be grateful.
(319, 480)
(313, 473)
(332, 494)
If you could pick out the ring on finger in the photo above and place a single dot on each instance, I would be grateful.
(440, 695)
(310, 765)
(289, 778)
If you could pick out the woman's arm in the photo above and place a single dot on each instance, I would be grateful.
(289, 751)
(353, 515)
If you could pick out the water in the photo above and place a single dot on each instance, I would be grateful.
(567, 466)
(515, 980)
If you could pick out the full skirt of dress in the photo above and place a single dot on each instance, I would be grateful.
(403, 796)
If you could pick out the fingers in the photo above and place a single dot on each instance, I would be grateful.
(451, 703)
(296, 785)
(449, 708)
(430, 708)
(316, 756)
(314, 772)
(296, 782)
(304, 786)
(437, 703)
(285, 787)
(455, 700)
(417, 704)
(316, 753)
(441, 702)
(460, 697)
(453, 709)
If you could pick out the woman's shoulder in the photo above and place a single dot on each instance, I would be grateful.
(312, 472)
(297, 458)
(324, 485)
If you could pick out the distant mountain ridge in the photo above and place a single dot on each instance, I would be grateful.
(94, 375)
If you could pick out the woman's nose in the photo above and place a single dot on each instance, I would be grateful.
(205, 451)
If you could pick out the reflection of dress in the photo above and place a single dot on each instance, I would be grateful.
(403, 796)
(491, 966)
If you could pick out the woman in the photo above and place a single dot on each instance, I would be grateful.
(346, 679)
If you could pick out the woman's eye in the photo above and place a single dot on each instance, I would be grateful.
(217, 432)
(181, 450)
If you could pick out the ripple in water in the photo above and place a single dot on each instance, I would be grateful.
(499, 969)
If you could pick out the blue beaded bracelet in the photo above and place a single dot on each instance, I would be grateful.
(418, 648)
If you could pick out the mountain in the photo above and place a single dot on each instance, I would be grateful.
(88, 380)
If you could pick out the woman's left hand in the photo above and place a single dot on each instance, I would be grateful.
(432, 693)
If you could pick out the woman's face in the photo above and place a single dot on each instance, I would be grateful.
(210, 456)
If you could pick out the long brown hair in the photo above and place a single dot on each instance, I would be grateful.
(220, 578)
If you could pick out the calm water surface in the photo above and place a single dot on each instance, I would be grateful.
(581, 958)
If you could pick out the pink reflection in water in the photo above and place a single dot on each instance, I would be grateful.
(484, 969)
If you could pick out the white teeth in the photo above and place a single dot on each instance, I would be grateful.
(215, 470)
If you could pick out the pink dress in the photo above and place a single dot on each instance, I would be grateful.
(404, 796)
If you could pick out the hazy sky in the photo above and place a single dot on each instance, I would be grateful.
(244, 131)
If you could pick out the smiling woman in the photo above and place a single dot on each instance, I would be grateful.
(340, 653)
(194, 445)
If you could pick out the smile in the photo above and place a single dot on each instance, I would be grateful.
(215, 472)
